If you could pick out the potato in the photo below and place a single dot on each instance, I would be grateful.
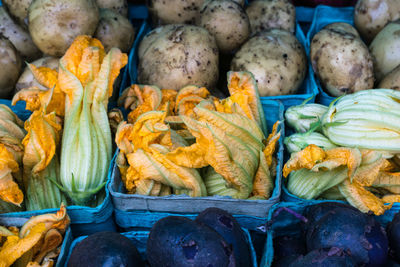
(240, 2)
(227, 22)
(276, 59)
(174, 11)
(370, 16)
(392, 80)
(119, 6)
(54, 25)
(174, 56)
(27, 80)
(385, 49)
(18, 37)
(271, 14)
(19, 10)
(341, 60)
(10, 65)
(114, 30)
(343, 27)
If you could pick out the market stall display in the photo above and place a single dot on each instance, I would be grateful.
(208, 147)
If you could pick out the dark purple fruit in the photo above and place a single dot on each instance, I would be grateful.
(227, 226)
(105, 249)
(331, 257)
(352, 231)
(180, 242)
(393, 232)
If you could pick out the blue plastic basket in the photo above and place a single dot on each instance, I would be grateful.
(84, 220)
(134, 211)
(139, 238)
(287, 224)
(306, 90)
(19, 222)
(323, 16)
(304, 16)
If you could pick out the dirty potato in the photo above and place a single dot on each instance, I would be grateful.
(371, 16)
(114, 30)
(271, 14)
(227, 22)
(18, 37)
(19, 10)
(385, 49)
(119, 6)
(276, 59)
(10, 65)
(341, 60)
(174, 11)
(54, 25)
(177, 55)
(392, 80)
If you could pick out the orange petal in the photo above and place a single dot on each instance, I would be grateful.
(73, 56)
(31, 96)
(168, 101)
(58, 220)
(9, 190)
(272, 140)
(45, 76)
(190, 90)
(391, 198)
(148, 98)
(15, 247)
(41, 141)
(306, 158)
(346, 156)
(362, 199)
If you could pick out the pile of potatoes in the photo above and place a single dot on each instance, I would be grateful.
(195, 40)
(40, 31)
(341, 58)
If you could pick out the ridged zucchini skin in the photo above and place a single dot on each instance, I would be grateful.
(41, 192)
(302, 117)
(298, 141)
(368, 119)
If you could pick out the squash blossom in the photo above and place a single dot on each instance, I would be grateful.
(86, 76)
(41, 163)
(227, 137)
(37, 243)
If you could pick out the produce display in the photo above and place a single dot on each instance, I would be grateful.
(190, 126)
(350, 152)
(36, 243)
(170, 135)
